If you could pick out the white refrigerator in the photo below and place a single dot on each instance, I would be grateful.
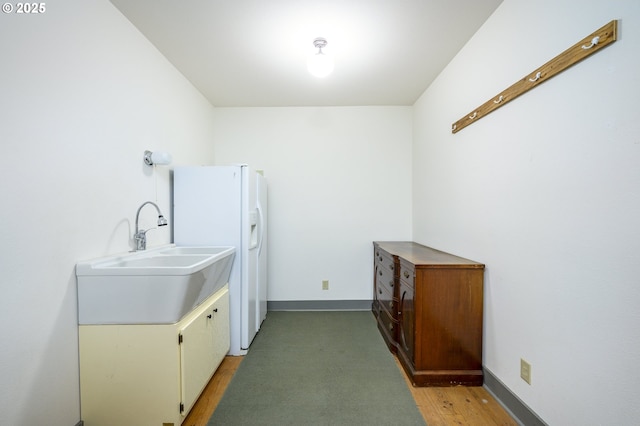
(227, 206)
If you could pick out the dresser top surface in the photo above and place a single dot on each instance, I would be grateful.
(424, 256)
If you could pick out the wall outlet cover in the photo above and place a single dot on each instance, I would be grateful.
(525, 371)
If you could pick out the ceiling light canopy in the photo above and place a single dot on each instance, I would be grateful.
(319, 63)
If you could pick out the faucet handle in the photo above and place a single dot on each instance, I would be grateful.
(140, 238)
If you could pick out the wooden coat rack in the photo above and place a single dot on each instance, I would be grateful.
(585, 47)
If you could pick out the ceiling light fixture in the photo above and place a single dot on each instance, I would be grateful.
(319, 63)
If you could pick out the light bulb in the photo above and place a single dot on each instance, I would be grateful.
(157, 157)
(320, 65)
(161, 158)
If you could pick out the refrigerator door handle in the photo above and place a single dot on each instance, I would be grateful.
(261, 228)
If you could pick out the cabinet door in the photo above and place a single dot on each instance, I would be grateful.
(406, 314)
(221, 331)
(200, 348)
(129, 374)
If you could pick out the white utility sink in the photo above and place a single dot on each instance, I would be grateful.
(155, 286)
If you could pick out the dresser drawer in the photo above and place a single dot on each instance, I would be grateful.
(407, 273)
(386, 300)
(385, 261)
(384, 280)
(389, 324)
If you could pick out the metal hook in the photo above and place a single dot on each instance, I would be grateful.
(537, 77)
(472, 116)
(497, 101)
(594, 41)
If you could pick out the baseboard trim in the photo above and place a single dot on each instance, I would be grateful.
(319, 305)
(514, 405)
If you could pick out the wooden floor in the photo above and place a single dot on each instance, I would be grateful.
(469, 406)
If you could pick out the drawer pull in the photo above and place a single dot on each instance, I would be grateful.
(391, 283)
(209, 316)
(391, 266)
(380, 273)
(379, 291)
(406, 274)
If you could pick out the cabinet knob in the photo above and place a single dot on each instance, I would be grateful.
(209, 316)
(391, 266)
(215, 310)
(406, 274)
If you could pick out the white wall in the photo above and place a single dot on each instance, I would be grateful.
(339, 178)
(83, 94)
(546, 192)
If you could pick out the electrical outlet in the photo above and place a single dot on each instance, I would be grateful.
(325, 284)
(525, 371)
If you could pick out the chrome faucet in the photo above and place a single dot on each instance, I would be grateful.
(140, 236)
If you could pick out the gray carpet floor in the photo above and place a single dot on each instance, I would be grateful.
(318, 368)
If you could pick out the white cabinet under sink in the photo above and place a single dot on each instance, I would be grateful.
(151, 374)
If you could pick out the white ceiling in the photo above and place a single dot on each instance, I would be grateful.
(253, 52)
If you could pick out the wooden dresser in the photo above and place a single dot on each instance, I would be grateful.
(428, 305)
